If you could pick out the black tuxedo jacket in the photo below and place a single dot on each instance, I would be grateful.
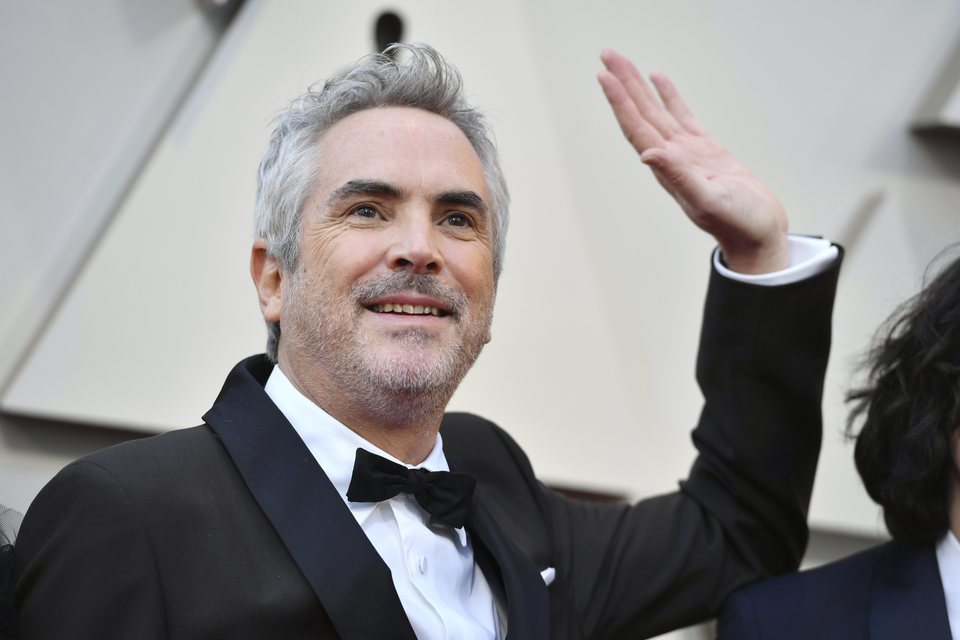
(232, 530)
(890, 592)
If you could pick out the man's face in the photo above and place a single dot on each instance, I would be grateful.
(394, 291)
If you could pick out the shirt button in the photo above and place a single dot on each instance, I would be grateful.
(422, 564)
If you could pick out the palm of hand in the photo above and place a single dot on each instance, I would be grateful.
(717, 192)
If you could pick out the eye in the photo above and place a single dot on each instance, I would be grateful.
(366, 211)
(458, 220)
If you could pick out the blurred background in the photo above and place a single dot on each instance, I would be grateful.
(132, 130)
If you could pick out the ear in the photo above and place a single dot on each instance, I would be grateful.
(268, 279)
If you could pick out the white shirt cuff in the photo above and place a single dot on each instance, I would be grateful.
(808, 257)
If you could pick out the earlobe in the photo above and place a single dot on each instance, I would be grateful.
(268, 279)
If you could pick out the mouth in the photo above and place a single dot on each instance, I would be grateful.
(419, 299)
(409, 309)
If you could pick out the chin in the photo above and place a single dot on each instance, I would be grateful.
(417, 370)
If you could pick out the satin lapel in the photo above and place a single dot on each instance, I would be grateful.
(329, 547)
(906, 597)
(528, 603)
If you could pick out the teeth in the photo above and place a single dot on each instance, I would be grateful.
(409, 309)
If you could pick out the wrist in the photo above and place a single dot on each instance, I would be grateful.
(756, 258)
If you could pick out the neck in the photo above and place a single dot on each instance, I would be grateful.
(405, 425)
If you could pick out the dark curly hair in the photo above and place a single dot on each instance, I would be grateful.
(910, 407)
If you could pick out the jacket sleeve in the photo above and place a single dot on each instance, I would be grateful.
(670, 561)
(85, 563)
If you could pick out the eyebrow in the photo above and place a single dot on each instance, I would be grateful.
(360, 187)
(363, 188)
(469, 199)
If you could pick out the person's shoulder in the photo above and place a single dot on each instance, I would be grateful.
(156, 448)
(459, 425)
(825, 602)
(477, 446)
(469, 436)
(147, 471)
(823, 581)
(162, 458)
(135, 481)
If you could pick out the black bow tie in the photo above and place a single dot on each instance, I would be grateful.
(445, 495)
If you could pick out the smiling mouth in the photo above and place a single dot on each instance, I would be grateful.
(408, 309)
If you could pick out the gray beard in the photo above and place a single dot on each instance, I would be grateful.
(405, 387)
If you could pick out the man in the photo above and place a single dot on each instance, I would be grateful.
(908, 455)
(380, 222)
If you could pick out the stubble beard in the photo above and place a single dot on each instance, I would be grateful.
(404, 376)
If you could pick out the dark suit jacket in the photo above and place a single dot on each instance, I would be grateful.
(7, 611)
(890, 592)
(232, 530)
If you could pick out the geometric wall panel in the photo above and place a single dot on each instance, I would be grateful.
(940, 108)
(89, 90)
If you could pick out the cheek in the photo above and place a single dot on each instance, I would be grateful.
(472, 266)
(344, 255)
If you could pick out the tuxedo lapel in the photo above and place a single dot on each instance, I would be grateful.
(342, 567)
(528, 605)
(906, 597)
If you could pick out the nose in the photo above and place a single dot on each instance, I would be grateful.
(415, 247)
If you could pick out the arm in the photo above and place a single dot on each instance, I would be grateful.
(670, 561)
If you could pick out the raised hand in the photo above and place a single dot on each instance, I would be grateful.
(715, 190)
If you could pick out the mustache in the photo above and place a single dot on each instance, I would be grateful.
(364, 293)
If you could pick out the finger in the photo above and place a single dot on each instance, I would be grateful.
(638, 89)
(638, 131)
(675, 103)
(621, 66)
(640, 92)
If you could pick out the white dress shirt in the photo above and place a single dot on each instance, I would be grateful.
(443, 592)
(948, 559)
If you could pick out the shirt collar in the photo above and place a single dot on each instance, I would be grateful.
(334, 445)
(948, 560)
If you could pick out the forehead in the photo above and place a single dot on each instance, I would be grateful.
(408, 147)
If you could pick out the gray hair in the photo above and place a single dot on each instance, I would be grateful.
(421, 79)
